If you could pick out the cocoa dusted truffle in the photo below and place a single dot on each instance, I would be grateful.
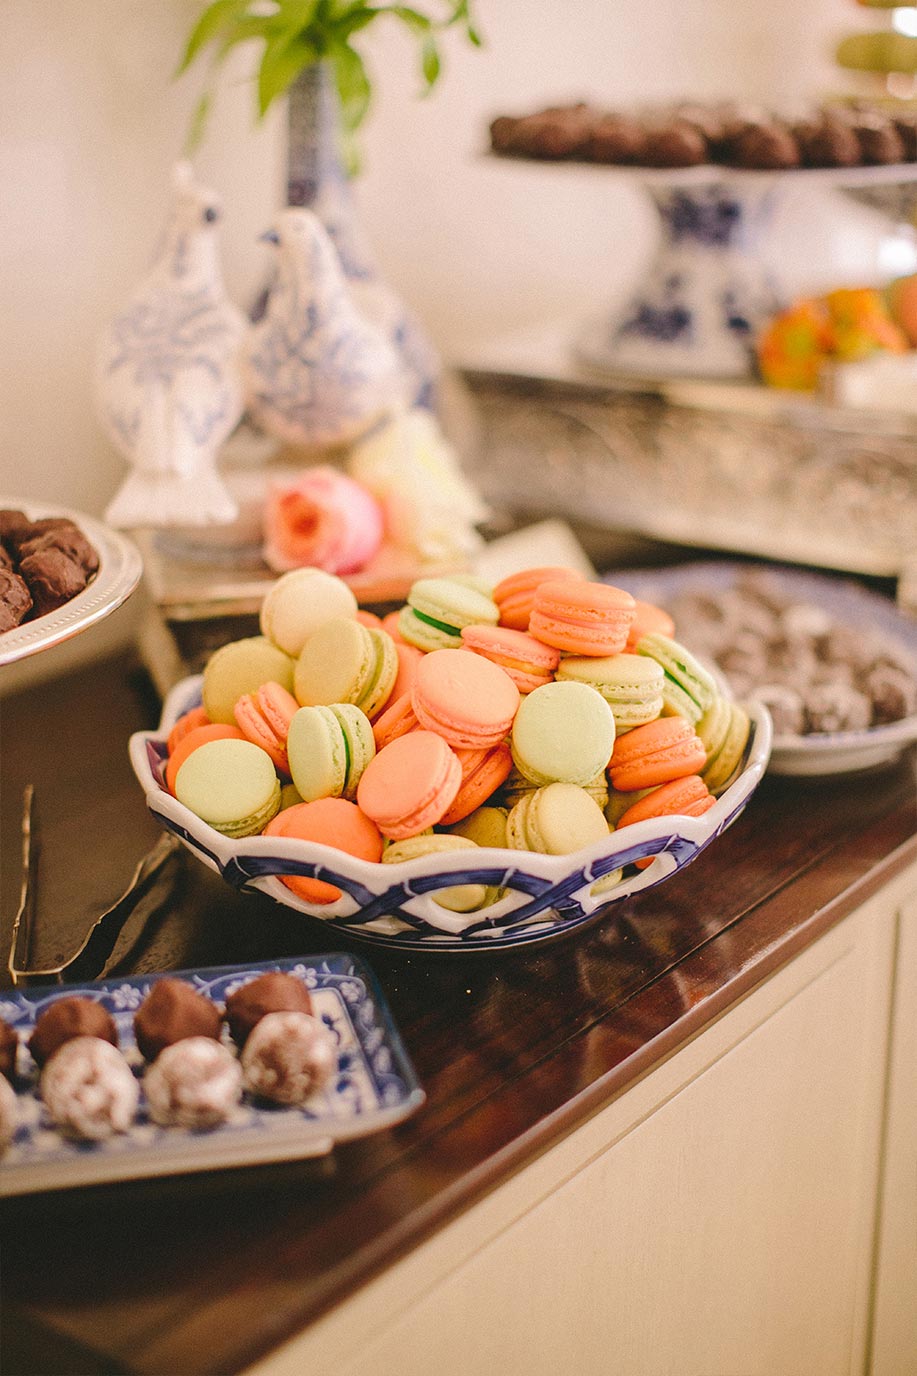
(616, 139)
(273, 992)
(287, 1057)
(828, 142)
(73, 1016)
(171, 1011)
(194, 1083)
(676, 144)
(906, 129)
(53, 578)
(558, 132)
(88, 1089)
(9, 1047)
(15, 599)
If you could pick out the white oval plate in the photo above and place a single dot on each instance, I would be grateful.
(120, 567)
(840, 752)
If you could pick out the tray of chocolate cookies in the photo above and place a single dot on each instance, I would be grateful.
(61, 571)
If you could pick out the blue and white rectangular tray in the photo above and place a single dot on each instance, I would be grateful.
(375, 1085)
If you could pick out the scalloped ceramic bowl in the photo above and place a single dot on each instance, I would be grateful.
(395, 905)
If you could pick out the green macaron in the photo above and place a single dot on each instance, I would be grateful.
(328, 748)
(438, 608)
(232, 785)
(555, 820)
(458, 898)
(689, 688)
(563, 733)
(238, 668)
(345, 661)
(632, 685)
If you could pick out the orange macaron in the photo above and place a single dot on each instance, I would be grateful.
(582, 618)
(685, 797)
(529, 662)
(648, 620)
(188, 721)
(665, 749)
(483, 772)
(326, 822)
(410, 784)
(515, 594)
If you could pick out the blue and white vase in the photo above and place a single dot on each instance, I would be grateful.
(707, 291)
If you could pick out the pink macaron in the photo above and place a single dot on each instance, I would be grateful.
(465, 698)
(410, 784)
(264, 718)
(529, 662)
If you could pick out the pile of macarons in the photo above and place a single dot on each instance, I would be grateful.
(538, 714)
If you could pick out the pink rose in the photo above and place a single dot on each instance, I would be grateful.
(324, 520)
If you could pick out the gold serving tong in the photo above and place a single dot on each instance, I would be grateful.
(89, 959)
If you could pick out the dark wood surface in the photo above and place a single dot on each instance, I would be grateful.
(206, 1273)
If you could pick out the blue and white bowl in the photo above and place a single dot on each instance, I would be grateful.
(395, 904)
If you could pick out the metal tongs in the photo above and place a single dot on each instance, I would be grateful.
(89, 959)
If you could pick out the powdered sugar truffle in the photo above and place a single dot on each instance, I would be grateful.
(89, 1090)
(287, 1057)
(194, 1083)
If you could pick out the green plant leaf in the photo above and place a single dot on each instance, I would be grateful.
(215, 17)
(295, 16)
(430, 61)
(198, 123)
(353, 84)
(283, 60)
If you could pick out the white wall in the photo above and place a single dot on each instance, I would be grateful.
(91, 122)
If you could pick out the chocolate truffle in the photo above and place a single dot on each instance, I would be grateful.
(893, 692)
(88, 1089)
(828, 142)
(6, 559)
(906, 129)
(15, 599)
(53, 578)
(171, 1011)
(616, 139)
(676, 144)
(767, 147)
(73, 1016)
(70, 540)
(9, 1114)
(287, 1057)
(12, 522)
(9, 1047)
(786, 708)
(194, 1083)
(502, 133)
(835, 706)
(880, 142)
(559, 132)
(274, 992)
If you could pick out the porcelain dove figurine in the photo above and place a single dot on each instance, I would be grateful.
(169, 384)
(318, 373)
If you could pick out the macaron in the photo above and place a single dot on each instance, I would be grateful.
(200, 735)
(724, 729)
(408, 659)
(437, 609)
(240, 667)
(632, 685)
(326, 822)
(685, 797)
(665, 749)
(465, 698)
(483, 772)
(515, 593)
(582, 618)
(230, 784)
(410, 784)
(529, 663)
(397, 720)
(689, 688)
(458, 898)
(346, 662)
(196, 716)
(555, 820)
(648, 619)
(299, 602)
(562, 733)
(264, 718)
(328, 748)
(486, 826)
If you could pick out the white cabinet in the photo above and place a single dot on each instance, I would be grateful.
(717, 1219)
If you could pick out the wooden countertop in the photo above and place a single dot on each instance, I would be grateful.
(208, 1272)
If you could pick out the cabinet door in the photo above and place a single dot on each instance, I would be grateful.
(895, 1327)
(717, 1219)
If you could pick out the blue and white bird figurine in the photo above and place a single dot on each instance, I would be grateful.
(169, 382)
(318, 373)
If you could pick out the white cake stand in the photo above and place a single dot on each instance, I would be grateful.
(709, 288)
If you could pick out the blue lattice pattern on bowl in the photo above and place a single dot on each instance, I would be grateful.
(395, 905)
